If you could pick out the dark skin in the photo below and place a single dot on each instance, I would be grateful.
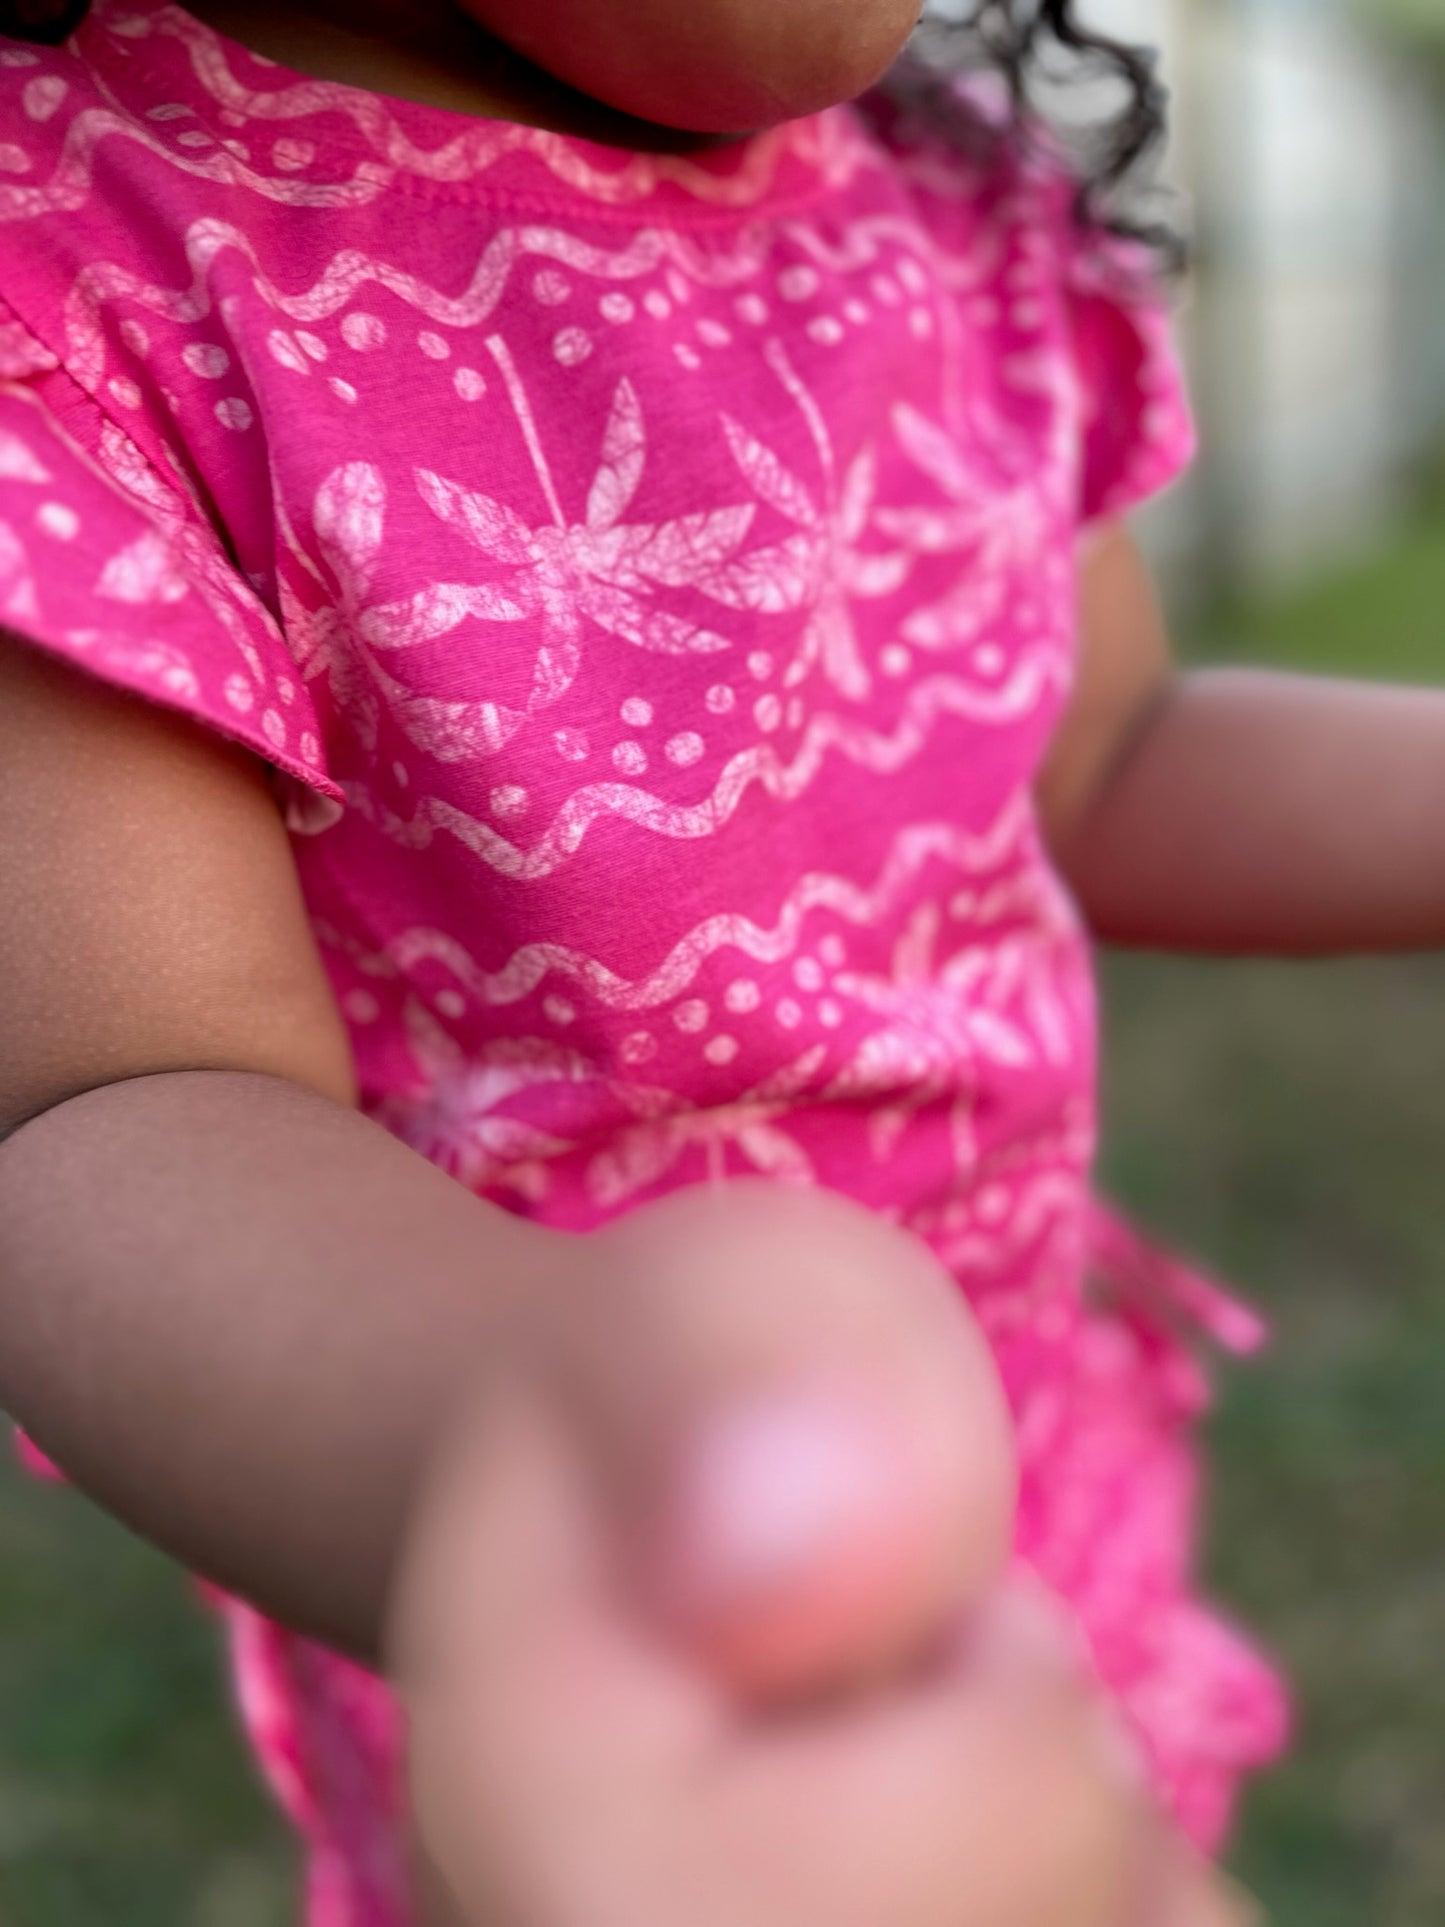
(434, 54)
(200, 1239)
(631, 77)
(1239, 812)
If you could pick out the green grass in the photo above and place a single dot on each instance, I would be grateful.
(124, 1799)
(1286, 1124)
(1381, 615)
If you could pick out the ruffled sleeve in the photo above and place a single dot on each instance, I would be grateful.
(108, 562)
(1136, 426)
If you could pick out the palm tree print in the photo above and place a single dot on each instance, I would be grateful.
(823, 566)
(1001, 529)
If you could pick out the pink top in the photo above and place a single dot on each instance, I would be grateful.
(652, 581)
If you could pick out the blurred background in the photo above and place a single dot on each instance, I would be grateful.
(1284, 1122)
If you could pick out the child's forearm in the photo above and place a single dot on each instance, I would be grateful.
(236, 1313)
(1264, 813)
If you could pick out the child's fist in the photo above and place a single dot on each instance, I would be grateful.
(704, 1619)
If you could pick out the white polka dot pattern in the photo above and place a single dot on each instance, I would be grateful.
(363, 332)
(234, 412)
(206, 359)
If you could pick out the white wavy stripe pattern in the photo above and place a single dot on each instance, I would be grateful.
(69, 185)
(915, 845)
(860, 248)
(351, 269)
(830, 142)
(860, 244)
(880, 753)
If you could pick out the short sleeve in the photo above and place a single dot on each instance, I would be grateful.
(1136, 425)
(105, 562)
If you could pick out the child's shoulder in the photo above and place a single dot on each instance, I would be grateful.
(123, 394)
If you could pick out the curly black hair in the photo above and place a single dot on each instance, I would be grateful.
(1034, 46)
(1016, 39)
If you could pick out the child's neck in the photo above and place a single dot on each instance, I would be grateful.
(428, 51)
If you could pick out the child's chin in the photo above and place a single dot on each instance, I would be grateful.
(708, 66)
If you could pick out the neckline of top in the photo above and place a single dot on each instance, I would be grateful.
(373, 139)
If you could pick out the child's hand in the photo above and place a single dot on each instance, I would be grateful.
(703, 1620)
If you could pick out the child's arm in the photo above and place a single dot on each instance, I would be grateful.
(244, 1318)
(232, 1308)
(1234, 810)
